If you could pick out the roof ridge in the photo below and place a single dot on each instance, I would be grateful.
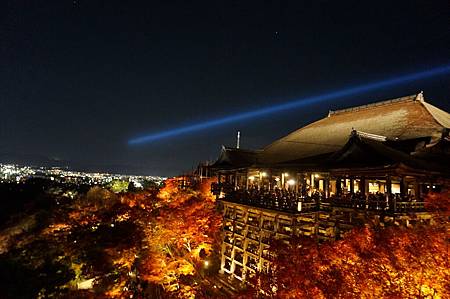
(441, 117)
(241, 149)
(409, 98)
(367, 135)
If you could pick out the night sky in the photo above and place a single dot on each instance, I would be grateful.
(79, 78)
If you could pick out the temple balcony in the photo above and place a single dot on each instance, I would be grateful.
(293, 202)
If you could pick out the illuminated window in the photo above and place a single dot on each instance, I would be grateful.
(395, 188)
(374, 187)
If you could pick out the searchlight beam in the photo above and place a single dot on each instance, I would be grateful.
(295, 104)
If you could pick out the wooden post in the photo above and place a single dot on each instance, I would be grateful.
(388, 185)
(362, 185)
(366, 187)
(338, 186)
(389, 191)
(303, 184)
(402, 187)
(260, 181)
(270, 181)
(417, 194)
(352, 185)
(246, 180)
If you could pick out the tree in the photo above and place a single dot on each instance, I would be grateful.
(119, 186)
(181, 239)
(373, 262)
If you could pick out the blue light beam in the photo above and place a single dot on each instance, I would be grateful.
(290, 105)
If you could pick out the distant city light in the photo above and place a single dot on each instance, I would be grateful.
(18, 174)
(295, 104)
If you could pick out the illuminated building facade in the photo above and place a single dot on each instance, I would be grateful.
(368, 163)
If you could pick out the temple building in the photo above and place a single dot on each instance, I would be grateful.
(368, 163)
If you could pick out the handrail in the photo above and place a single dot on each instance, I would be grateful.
(293, 203)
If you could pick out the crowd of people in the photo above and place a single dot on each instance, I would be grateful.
(276, 199)
(288, 200)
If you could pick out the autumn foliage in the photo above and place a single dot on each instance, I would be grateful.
(390, 262)
(163, 243)
(145, 244)
(439, 204)
(182, 238)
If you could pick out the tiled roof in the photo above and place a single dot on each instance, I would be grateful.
(235, 158)
(404, 118)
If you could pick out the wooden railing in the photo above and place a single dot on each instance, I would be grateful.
(292, 202)
(281, 201)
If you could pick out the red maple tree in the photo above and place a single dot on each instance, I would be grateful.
(377, 262)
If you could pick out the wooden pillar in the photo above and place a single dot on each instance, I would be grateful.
(260, 181)
(302, 184)
(352, 185)
(222, 258)
(326, 186)
(246, 180)
(389, 190)
(270, 181)
(338, 186)
(366, 187)
(417, 194)
(362, 185)
(402, 187)
(388, 185)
